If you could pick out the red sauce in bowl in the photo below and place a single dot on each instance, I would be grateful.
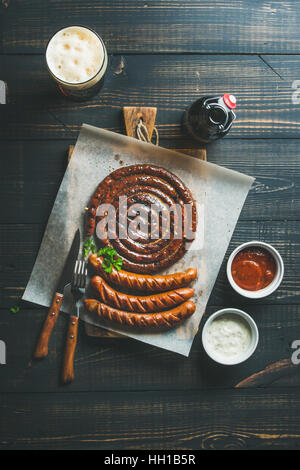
(253, 268)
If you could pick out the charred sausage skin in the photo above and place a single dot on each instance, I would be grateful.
(140, 304)
(151, 186)
(158, 320)
(142, 282)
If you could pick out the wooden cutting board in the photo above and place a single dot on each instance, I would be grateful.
(131, 117)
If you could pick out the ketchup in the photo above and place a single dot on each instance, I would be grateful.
(253, 268)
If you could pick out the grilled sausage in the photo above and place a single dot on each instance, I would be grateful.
(140, 304)
(157, 191)
(143, 282)
(143, 320)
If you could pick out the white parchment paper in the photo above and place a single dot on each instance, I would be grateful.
(220, 195)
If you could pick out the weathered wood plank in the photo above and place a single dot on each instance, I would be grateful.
(284, 66)
(20, 243)
(246, 419)
(170, 83)
(279, 369)
(108, 364)
(247, 26)
(31, 173)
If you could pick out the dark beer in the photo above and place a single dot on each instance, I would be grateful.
(77, 60)
(210, 117)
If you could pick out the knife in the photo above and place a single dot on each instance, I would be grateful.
(78, 291)
(41, 349)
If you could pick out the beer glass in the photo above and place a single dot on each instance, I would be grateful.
(76, 59)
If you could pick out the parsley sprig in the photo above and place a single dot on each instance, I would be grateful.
(110, 256)
(110, 259)
(89, 247)
(15, 309)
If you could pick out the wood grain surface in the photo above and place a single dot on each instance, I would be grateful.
(132, 117)
(30, 180)
(168, 82)
(220, 419)
(164, 54)
(269, 374)
(234, 26)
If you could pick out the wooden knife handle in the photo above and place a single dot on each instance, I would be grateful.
(41, 349)
(68, 364)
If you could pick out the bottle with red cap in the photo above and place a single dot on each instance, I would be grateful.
(210, 117)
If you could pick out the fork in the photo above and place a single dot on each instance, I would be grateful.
(78, 284)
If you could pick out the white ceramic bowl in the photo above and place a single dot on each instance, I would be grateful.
(238, 358)
(257, 294)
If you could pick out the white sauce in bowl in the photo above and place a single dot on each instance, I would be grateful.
(228, 336)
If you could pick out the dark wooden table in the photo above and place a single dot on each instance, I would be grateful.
(162, 53)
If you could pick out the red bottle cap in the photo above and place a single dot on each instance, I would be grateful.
(229, 100)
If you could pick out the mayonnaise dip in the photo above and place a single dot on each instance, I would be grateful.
(228, 336)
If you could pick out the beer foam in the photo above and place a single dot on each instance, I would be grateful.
(74, 54)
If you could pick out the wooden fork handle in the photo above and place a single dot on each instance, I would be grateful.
(68, 364)
(41, 349)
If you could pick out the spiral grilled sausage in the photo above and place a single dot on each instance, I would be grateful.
(143, 320)
(143, 282)
(140, 304)
(155, 190)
